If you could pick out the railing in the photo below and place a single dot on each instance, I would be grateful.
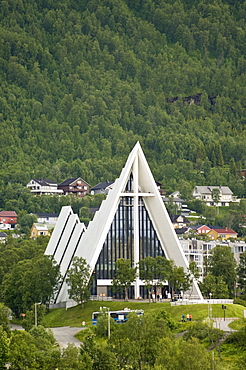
(201, 301)
(100, 297)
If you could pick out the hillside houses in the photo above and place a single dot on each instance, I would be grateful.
(102, 187)
(75, 186)
(199, 250)
(43, 187)
(39, 230)
(206, 194)
(211, 232)
(8, 220)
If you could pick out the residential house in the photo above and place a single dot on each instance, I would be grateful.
(180, 231)
(199, 251)
(3, 237)
(8, 220)
(179, 221)
(205, 193)
(76, 186)
(47, 218)
(201, 229)
(238, 247)
(43, 186)
(224, 234)
(175, 199)
(102, 187)
(39, 230)
(160, 188)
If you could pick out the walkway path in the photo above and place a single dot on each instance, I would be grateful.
(222, 324)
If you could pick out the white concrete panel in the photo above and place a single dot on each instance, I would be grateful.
(63, 244)
(70, 251)
(62, 219)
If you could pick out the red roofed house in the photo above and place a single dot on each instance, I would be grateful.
(203, 229)
(224, 234)
(8, 220)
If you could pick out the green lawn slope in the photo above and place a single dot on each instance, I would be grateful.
(75, 315)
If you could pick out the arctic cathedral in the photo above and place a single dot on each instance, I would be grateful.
(132, 223)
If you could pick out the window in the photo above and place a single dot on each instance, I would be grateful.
(85, 187)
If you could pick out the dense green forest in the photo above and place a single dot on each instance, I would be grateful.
(82, 81)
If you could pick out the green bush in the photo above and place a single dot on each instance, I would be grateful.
(240, 301)
(203, 332)
(238, 338)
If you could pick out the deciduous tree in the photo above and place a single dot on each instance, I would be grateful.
(221, 263)
(125, 275)
(78, 278)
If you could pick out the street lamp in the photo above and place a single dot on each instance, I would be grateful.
(108, 309)
(209, 308)
(35, 313)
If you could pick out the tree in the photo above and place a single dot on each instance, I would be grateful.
(147, 271)
(193, 274)
(30, 281)
(36, 313)
(179, 280)
(78, 278)
(155, 271)
(179, 354)
(216, 195)
(197, 205)
(221, 263)
(125, 275)
(136, 342)
(241, 272)
(214, 285)
(101, 355)
(26, 221)
(4, 347)
(23, 352)
(163, 270)
(73, 358)
(5, 314)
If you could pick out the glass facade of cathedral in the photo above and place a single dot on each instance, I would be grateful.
(119, 242)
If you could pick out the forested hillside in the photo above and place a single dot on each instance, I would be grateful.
(82, 81)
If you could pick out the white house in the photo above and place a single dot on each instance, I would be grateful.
(205, 193)
(42, 186)
(47, 218)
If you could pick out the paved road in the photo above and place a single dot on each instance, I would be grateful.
(222, 324)
(65, 335)
(16, 327)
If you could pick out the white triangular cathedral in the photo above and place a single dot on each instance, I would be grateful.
(131, 223)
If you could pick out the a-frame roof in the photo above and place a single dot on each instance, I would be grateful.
(93, 239)
(90, 243)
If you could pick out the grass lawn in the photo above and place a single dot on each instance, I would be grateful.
(237, 324)
(75, 315)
